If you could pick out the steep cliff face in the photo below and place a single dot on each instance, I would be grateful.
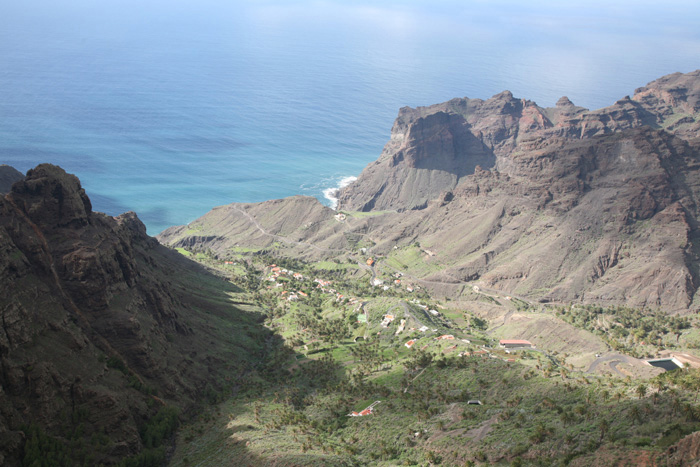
(426, 155)
(433, 148)
(100, 324)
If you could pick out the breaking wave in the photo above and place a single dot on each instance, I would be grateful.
(331, 194)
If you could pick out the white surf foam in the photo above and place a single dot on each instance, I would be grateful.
(331, 194)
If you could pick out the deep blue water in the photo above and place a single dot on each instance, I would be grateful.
(169, 108)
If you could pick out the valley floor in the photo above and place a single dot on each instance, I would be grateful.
(359, 334)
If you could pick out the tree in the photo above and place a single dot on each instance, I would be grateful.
(636, 413)
(659, 384)
(641, 390)
(566, 417)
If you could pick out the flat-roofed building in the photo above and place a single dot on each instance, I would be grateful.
(516, 344)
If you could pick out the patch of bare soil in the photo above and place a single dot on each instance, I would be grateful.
(614, 457)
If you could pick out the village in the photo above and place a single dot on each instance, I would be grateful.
(393, 310)
(367, 343)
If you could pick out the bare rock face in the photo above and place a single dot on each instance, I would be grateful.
(8, 176)
(433, 148)
(100, 325)
(423, 158)
(686, 452)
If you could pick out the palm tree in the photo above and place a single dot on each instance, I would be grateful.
(659, 384)
(566, 417)
(655, 397)
(636, 413)
(641, 390)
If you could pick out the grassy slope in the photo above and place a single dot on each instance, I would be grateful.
(534, 410)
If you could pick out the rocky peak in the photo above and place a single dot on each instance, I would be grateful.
(50, 197)
(564, 102)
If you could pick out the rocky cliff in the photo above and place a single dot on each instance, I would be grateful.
(433, 148)
(101, 325)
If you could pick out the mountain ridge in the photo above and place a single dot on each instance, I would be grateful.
(497, 127)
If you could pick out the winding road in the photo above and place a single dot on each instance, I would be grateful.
(614, 360)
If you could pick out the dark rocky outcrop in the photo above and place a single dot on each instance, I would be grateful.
(8, 176)
(101, 325)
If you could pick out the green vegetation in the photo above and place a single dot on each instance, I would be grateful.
(183, 251)
(154, 434)
(533, 410)
(636, 332)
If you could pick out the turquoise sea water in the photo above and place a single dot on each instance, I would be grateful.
(171, 108)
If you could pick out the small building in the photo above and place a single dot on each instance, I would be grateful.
(402, 325)
(370, 261)
(515, 344)
(387, 320)
(368, 411)
(446, 337)
(410, 343)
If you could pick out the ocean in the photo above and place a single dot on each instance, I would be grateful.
(169, 108)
